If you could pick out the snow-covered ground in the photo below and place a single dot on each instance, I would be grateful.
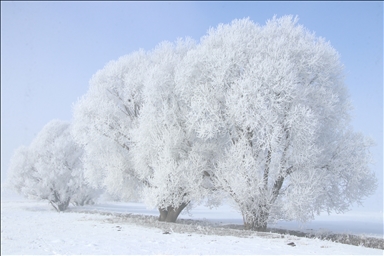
(33, 227)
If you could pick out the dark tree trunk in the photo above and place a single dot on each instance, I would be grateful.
(255, 225)
(171, 214)
(63, 205)
(57, 204)
(60, 206)
(163, 214)
(256, 221)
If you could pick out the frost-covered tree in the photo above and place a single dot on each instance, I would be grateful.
(50, 168)
(132, 128)
(166, 153)
(21, 173)
(275, 95)
(103, 122)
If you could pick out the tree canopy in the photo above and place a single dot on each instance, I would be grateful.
(50, 168)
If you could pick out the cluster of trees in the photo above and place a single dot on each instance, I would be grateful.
(255, 114)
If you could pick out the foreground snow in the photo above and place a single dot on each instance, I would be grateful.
(31, 227)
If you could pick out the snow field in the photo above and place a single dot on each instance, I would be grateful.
(32, 227)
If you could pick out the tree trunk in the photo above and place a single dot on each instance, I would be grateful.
(63, 205)
(171, 214)
(256, 225)
(163, 214)
(60, 206)
(257, 220)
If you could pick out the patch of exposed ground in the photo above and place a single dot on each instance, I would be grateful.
(207, 228)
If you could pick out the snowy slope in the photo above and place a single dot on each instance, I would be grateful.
(32, 227)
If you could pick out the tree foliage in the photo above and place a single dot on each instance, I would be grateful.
(276, 94)
(103, 122)
(166, 152)
(50, 168)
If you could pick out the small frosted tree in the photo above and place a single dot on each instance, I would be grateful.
(275, 94)
(50, 168)
(21, 173)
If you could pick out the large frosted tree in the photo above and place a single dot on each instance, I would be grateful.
(275, 94)
(166, 152)
(103, 122)
(50, 168)
(133, 129)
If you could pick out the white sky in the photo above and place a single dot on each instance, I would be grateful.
(50, 50)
